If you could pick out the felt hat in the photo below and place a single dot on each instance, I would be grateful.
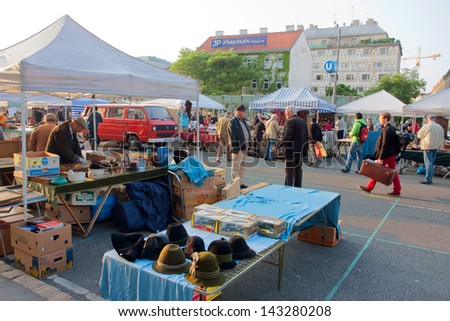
(153, 246)
(224, 253)
(177, 234)
(205, 270)
(171, 260)
(241, 250)
(82, 122)
(194, 244)
(128, 245)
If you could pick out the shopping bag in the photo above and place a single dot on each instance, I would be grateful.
(320, 150)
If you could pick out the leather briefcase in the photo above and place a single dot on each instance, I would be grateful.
(378, 172)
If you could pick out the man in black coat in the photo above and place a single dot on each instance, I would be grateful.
(63, 141)
(239, 133)
(295, 143)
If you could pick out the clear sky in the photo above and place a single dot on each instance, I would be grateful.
(162, 28)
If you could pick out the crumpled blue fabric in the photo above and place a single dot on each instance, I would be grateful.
(193, 168)
(153, 199)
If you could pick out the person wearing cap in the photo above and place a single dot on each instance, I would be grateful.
(39, 136)
(239, 133)
(431, 138)
(295, 143)
(63, 141)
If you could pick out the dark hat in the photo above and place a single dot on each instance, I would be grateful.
(241, 250)
(177, 234)
(153, 246)
(431, 117)
(171, 260)
(194, 244)
(128, 245)
(80, 120)
(224, 253)
(240, 107)
(205, 270)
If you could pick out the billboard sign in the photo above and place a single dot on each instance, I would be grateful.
(239, 42)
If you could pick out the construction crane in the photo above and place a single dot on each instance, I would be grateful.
(419, 57)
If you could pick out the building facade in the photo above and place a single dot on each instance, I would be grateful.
(366, 53)
(283, 58)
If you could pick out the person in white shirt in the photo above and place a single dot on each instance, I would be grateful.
(340, 127)
(431, 138)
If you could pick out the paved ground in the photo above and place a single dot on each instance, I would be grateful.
(392, 249)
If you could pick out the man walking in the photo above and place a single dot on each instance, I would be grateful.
(356, 148)
(295, 143)
(222, 136)
(386, 151)
(431, 138)
(239, 133)
(39, 136)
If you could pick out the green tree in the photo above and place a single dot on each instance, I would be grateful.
(405, 85)
(221, 72)
(342, 90)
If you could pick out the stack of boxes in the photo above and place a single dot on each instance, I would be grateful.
(80, 205)
(44, 253)
(231, 222)
(208, 193)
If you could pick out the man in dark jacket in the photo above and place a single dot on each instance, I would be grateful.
(63, 141)
(295, 143)
(386, 151)
(94, 140)
(239, 133)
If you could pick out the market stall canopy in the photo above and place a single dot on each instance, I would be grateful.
(204, 102)
(298, 97)
(437, 104)
(66, 58)
(376, 103)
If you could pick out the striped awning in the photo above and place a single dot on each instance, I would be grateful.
(79, 103)
(298, 97)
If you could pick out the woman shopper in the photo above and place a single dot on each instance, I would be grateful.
(273, 131)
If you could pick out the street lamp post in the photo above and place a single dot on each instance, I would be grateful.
(333, 99)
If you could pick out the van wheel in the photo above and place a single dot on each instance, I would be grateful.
(133, 141)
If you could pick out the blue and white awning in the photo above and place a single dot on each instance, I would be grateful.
(299, 98)
(79, 103)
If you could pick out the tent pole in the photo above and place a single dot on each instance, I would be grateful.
(23, 104)
(198, 129)
(94, 119)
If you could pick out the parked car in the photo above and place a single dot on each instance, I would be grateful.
(134, 123)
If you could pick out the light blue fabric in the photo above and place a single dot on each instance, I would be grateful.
(183, 118)
(289, 203)
(193, 168)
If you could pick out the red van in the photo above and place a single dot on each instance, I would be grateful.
(131, 123)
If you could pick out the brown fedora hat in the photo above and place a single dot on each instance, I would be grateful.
(205, 270)
(171, 260)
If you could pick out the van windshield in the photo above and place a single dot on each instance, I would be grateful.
(158, 112)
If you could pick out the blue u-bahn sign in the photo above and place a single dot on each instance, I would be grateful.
(330, 66)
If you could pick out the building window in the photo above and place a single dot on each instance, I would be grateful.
(377, 64)
(360, 89)
(351, 52)
(266, 84)
(361, 65)
(254, 84)
(349, 77)
(334, 52)
(365, 77)
(367, 52)
(320, 53)
(381, 76)
(315, 89)
(319, 77)
(344, 65)
(267, 63)
(354, 41)
(249, 61)
(315, 66)
(279, 84)
(384, 51)
(280, 63)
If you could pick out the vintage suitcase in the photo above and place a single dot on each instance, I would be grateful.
(378, 172)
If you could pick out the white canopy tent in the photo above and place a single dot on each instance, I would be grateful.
(437, 104)
(65, 59)
(377, 103)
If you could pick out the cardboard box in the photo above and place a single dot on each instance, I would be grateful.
(238, 214)
(80, 198)
(183, 213)
(232, 189)
(205, 220)
(5, 227)
(61, 213)
(9, 147)
(210, 208)
(323, 235)
(254, 187)
(45, 265)
(216, 177)
(232, 225)
(38, 163)
(270, 226)
(197, 196)
(219, 192)
(38, 244)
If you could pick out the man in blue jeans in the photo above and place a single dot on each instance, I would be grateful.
(356, 148)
